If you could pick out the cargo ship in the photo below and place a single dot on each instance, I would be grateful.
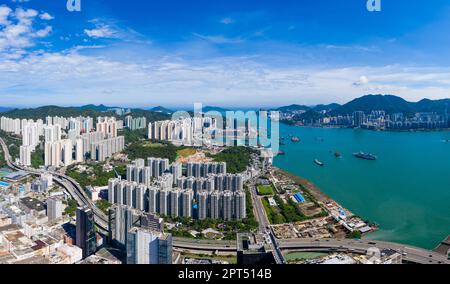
(295, 139)
(317, 162)
(365, 156)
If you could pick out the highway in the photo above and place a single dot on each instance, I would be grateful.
(264, 224)
(258, 209)
(204, 245)
(410, 254)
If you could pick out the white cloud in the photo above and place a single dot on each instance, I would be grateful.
(363, 80)
(101, 32)
(73, 78)
(17, 31)
(46, 16)
(5, 11)
(219, 39)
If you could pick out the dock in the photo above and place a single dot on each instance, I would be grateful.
(443, 247)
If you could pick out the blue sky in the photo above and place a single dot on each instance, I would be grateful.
(227, 53)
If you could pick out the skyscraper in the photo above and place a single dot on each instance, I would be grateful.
(85, 232)
(239, 205)
(164, 202)
(202, 202)
(79, 151)
(121, 220)
(186, 203)
(177, 171)
(141, 197)
(153, 200)
(25, 155)
(358, 118)
(214, 198)
(54, 209)
(145, 246)
(227, 205)
(175, 196)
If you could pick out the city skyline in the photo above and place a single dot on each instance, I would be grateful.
(224, 54)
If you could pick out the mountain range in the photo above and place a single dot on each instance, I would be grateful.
(388, 103)
(87, 110)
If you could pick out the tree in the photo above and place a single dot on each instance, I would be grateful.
(356, 235)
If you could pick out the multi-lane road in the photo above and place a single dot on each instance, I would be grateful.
(258, 209)
(409, 253)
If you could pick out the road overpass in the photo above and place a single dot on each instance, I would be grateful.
(410, 254)
(204, 245)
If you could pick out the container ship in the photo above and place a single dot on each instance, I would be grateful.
(317, 162)
(365, 156)
(295, 139)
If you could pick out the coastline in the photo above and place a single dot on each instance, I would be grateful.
(419, 130)
(324, 198)
(308, 185)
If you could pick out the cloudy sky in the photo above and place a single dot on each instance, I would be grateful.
(223, 52)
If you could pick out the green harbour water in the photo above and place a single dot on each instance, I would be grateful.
(406, 191)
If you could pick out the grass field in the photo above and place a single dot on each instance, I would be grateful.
(273, 213)
(265, 190)
(153, 145)
(299, 256)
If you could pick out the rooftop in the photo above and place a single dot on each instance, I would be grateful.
(33, 204)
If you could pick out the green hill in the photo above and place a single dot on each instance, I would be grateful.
(89, 110)
(388, 103)
(293, 108)
(42, 112)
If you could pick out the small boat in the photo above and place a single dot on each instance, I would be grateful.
(337, 154)
(282, 143)
(317, 162)
(295, 139)
(365, 156)
(281, 153)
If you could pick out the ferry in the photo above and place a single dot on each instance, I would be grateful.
(295, 139)
(317, 162)
(365, 156)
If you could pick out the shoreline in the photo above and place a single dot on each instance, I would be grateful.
(324, 198)
(314, 189)
(420, 130)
